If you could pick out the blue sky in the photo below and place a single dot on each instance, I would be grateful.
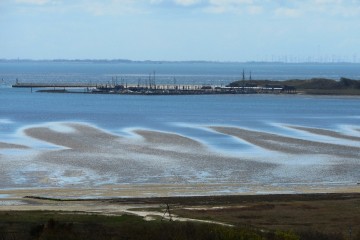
(216, 30)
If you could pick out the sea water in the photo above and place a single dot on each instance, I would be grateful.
(168, 73)
(21, 107)
(189, 116)
(186, 115)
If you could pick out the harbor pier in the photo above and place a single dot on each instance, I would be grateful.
(161, 89)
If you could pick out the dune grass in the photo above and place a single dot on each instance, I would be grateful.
(62, 225)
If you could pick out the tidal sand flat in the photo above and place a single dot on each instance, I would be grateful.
(291, 145)
(84, 160)
(91, 155)
(302, 161)
(326, 132)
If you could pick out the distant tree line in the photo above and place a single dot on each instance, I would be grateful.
(308, 84)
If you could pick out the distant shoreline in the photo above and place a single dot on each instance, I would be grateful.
(167, 61)
(312, 92)
(313, 86)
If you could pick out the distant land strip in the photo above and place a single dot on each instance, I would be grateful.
(316, 86)
(169, 61)
(321, 86)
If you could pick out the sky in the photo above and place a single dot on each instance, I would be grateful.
(181, 30)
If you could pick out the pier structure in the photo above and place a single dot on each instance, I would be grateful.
(53, 85)
(152, 89)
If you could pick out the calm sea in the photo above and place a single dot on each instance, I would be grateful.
(182, 114)
(21, 107)
(168, 73)
(186, 115)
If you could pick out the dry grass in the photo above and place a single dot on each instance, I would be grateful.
(310, 216)
(327, 214)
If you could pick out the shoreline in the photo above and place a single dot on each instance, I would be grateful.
(298, 93)
(145, 191)
(182, 206)
(313, 86)
(34, 202)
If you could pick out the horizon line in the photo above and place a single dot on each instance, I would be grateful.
(165, 61)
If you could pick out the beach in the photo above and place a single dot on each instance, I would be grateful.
(78, 160)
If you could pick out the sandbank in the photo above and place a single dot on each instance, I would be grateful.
(326, 132)
(85, 161)
(290, 145)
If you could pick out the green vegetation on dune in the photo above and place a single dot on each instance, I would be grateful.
(267, 217)
(323, 83)
(62, 225)
(344, 86)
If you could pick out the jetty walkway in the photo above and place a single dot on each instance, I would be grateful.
(53, 85)
(168, 89)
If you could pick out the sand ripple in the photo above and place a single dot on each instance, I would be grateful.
(325, 132)
(87, 157)
(154, 157)
(292, 145)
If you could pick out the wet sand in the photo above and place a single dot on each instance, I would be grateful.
(152, 157)
(325, 132)
(291, 145)
(86, 161)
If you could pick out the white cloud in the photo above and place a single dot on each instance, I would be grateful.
(288, 12)
(292, 9)
(37, 2)
(93, 7)
(328, 1)
(223, 6)
(343, 8)
(230, 2)
(254, 9)
(187, 2)
(109, 7)
(155, 1)
(338, 7)
(285, 8)
(96, 8)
